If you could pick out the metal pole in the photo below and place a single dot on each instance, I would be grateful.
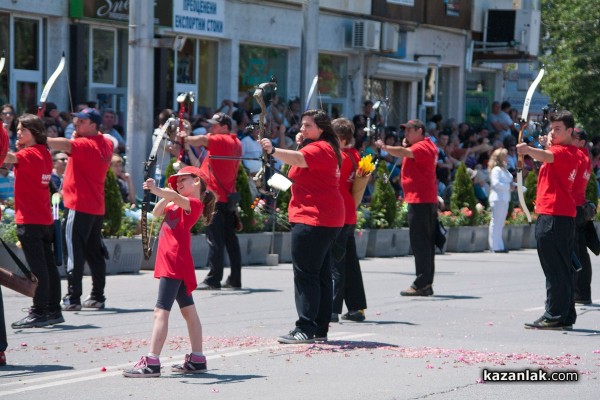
(310, 48)
(140, 88)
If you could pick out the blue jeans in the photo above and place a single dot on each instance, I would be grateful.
(313, 284)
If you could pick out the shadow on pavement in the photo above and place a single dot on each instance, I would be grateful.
(212, 378)
(104, 311)
(57, 327)
(452, 297)
(241, 291)
(588, 332)
(342, 345)
(369, 322)
(11, 371)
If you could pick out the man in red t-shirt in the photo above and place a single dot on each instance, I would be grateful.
(420, 192)
(583, 286)
(83, 193)
(555, 225)
(220, 176)
(3, 340)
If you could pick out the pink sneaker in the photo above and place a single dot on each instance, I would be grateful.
(145, 368)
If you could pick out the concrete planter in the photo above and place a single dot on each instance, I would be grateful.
(512, 236)
(388, 242)
(467, 239)
(529, 241)
(283, 246)
(125, 256)
(361, 236)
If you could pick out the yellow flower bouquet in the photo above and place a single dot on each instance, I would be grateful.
(366, 166)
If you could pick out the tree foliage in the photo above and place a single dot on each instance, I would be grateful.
(383, 202)
(571, 48)
(463, 194)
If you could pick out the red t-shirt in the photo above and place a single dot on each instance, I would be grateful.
(83, 184)
(555, 183)
(220, 175)
(174, 254)
(346, 180)
(583, 176)
(3, 143)
(316, 198)
(418, 173)
(32, 177)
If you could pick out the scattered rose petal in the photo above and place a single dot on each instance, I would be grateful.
(23, 344)
(490, 323)
(103, 369)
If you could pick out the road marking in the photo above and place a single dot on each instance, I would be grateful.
(63, 379)
(596, 301)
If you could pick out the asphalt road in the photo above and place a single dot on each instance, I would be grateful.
(408, 348)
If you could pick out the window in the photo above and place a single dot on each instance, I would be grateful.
(207, 73)
(186, 63)
(26, 44)
(103, 57)
(258, 64)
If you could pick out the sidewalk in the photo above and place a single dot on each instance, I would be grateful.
(409, 348)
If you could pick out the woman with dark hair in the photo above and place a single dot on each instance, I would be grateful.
(33, 169)
(10, 124)
(316, 212)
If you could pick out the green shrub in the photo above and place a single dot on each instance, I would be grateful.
(531, 185)
(591, 192)
(113, 204)
(383, 201)
(463, 196)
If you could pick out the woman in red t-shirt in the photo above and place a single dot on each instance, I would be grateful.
(181, 205)
(347, 278)
(316, 212)
(33, 217)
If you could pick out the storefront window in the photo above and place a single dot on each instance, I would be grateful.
(207, 71)
(186, 62)
(26, 44)
(103, 56)
(26, 97)
(257, 65)
(333, 71)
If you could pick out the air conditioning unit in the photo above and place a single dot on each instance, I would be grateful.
(519, 28)
(389, 37)
(366, 34)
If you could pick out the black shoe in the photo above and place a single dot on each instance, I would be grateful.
(206, 286)
(229, 286)
(356, 316)
(546, 324)
(55, 317)
(335, 317)
(320, 337)
(32, 320)
(583, 301)
(413, 291)
(192, 365)
(145, 368)
(296, 336)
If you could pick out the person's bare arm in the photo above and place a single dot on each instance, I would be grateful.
(60, 144)
(290, 157)
(538, 154)
(398, 151)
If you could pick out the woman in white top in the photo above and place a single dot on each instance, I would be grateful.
(500, 184)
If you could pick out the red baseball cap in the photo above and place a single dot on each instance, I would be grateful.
(195, 171)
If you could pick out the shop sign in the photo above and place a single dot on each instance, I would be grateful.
(118, 10)
(199, 17)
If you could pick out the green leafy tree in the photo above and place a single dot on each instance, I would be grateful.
(113, 203)
(572, 56)
(463, 195)
(383, 201)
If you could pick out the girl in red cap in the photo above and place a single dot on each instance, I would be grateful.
(181, 206)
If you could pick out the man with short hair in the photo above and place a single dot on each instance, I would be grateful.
(555, 225)
(220, 176)
(420, 192)
(83, 195)
(109, 118)
(499, 122)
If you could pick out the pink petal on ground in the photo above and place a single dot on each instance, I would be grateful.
(103, 369)
(490, 323)
(23, 344)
